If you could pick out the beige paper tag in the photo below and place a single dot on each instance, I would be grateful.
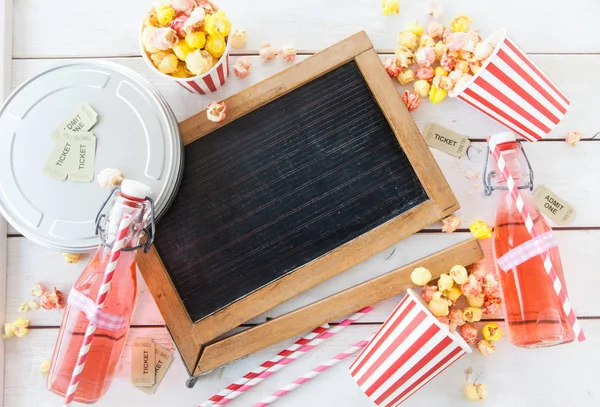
(143, 362)
(80, 162)
(57, 164)
(82, 119)
(446, 140)
(164, 358)
(553, 206)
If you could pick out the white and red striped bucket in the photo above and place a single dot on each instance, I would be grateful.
(511, 89)
(211, 80)
(411, 348)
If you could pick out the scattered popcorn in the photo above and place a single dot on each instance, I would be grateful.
(472, 314)
(424, 73)
(453, 293)
(426, 41)
(8, 330)
(573, 137)
(241, 67)
(110, 177)
(392, 67)
(237, 38)
(445, 282)
(415, 28)
(33, 305)
(287, 53)
(456, 319)
(435, 30)
(475, 392)
(476, 301)
(491, 305)
(408, 39)
(44, 367)
(422, 88)
(425, 56)
(470, 174)
(436, 95)
(483, 50)
(71, 258)
(433, 9)
(194, 21)
(450, 224)
(427, 292)
(439, 306)
(217, 24)
(491, 332)
(215, 45)
(472, 288)
(267, 52)
(406, 77)
(24, 307)
(215, 112)
(442, 82)
(439, 71)
(53, 299)
(459, 274)
(390, 7)
(480, 230)
(404, 56)
(198, 62)
(486, 348)
(37, 290)
(196, 39)
(448, 61)
(18, 328)
(411, 100)
(461, 23)
(469, 333)
(420, 276)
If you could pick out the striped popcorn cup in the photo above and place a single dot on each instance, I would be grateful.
(511, 89)
(410, 349)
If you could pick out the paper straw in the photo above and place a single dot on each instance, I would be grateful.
(264, 366)
(100, 300)
(289, 359)
(556, 284)
(312, 374)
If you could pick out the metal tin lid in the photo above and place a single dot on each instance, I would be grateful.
(136, 132)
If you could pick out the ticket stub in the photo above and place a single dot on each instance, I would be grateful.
(143, 362)
(446, 140)
(164, 358)
(81, 160)
(82, 119)
(56, 165)
(553, 206)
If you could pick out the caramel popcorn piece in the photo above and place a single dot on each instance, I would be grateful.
(111, 177)
(445, 282)
(420, 276)
(406, 77)
(44, 367)
(459, 274)
(450, 223)
(422, 88)
(390, 7)
(71, 258)
(486, 348)
(475, 392)
(475, 300)
(237, 38)
(472, 314)
(408, 39)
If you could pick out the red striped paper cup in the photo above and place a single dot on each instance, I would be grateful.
(511, 89)
(411, 348)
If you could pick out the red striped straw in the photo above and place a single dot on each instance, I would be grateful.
(289, 359)
(109, 272)
(251, 375)
(312, 374)
(556, 284)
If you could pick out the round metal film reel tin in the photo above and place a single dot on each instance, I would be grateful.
(136, 132)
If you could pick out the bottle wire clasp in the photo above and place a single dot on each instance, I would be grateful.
(488, 188)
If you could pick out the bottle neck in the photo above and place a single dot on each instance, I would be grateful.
(515, 164)
(123, 205)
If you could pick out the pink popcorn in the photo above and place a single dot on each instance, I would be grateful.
(469, 333)
(241, 68)
(464, 41)
(450, 224)
(444, 320)
(434, 9)
(184, 6)
(491, 284)
(267, 52)
(287, 53)
(392, 67)
(411, 100)
(435, 30)
(427, 292)
(216, 112)
(425, 73)
(573, 137)
(478, 270)
(195, 20)
(425, 56)
(491, 305)
(472, 288)
(448, 61)
(53, 299)
(178, 24)
(456, 319)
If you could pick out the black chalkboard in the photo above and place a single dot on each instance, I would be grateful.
(280, 187)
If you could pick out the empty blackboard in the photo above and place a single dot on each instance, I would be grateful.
(282, 186)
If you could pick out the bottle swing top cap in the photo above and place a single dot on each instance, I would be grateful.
(504, 137)
(135, 189)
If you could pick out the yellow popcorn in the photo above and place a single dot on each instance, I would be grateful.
(408, 39)
(198, 62)
(182, 71)
(445, 282)
(475, 392)
(33, 305)
(406, 77)
(24, 307)
(71, 258)
(390, 7)
(462, 66)
(415, 28)
(168, 64)
(196, 39)
(439, 49)
(436, 95)
(17, 328)
(237, 38)
(165, 15)
(459, 274)
(480, 230)
(491, 332)
(217, 23)
(44, 367)
(461, 23)
(426, 41)
(439, 71)
(422, 87)
(453, 294)
(8, 330)
(215, 45)
(37, 290)
(475, 301)
(181, 49)
(420, 276)
(472, 314)
(438, 305)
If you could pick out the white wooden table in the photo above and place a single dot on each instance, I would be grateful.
(562, 37)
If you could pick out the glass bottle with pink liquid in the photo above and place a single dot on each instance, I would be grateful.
(532, 310)
(109, 338)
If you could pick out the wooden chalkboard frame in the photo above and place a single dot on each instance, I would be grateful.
(196, 342)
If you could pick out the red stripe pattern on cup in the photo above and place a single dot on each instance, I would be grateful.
(515, 92)
(408, 351)
(212, 81)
